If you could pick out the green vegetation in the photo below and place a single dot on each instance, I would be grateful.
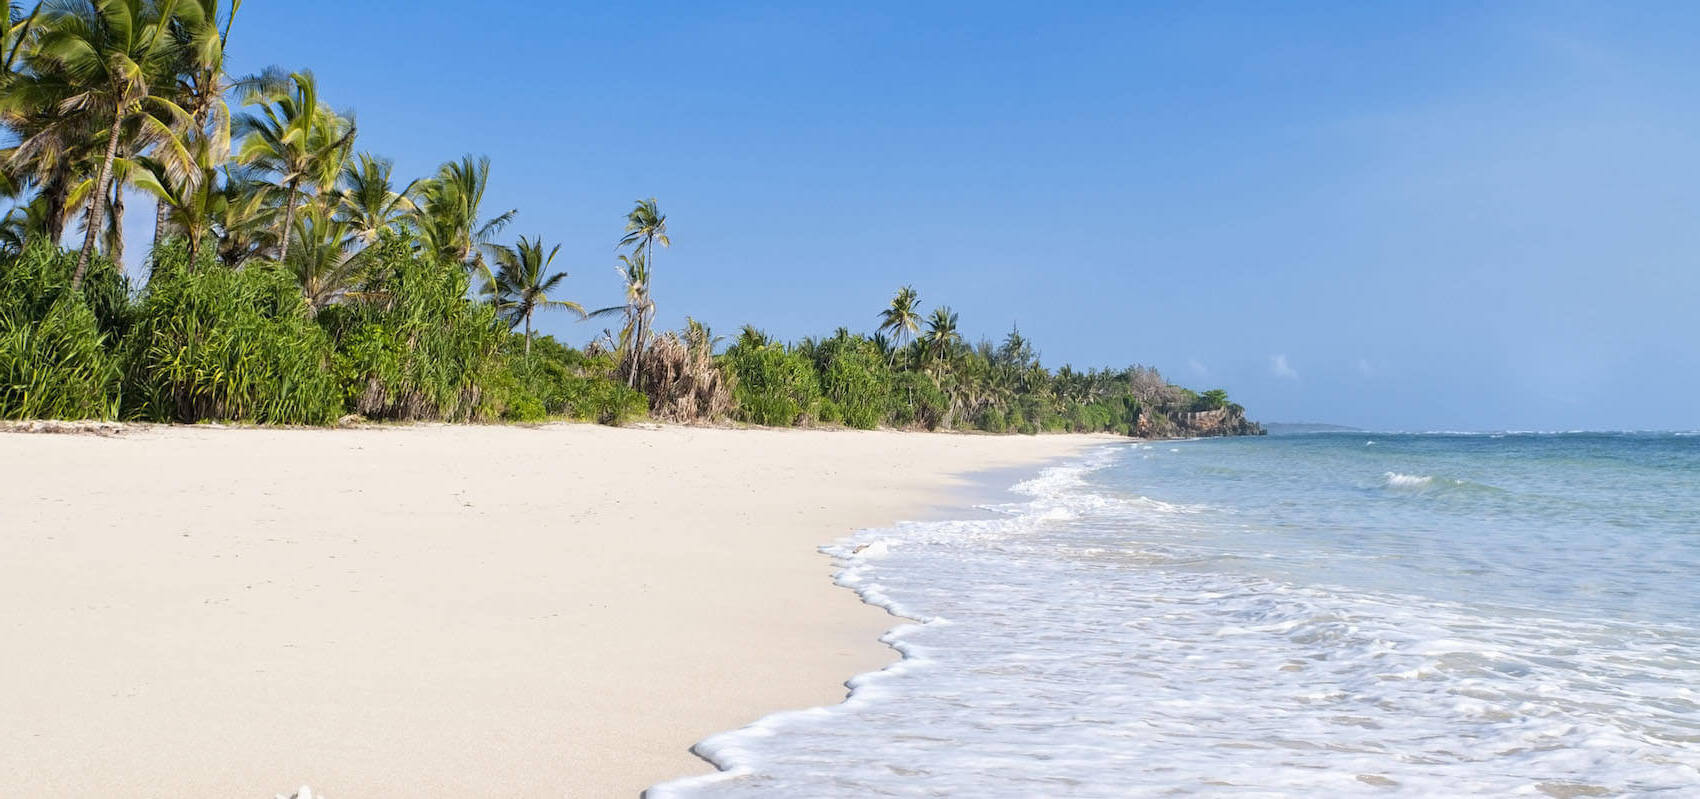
(293, 281)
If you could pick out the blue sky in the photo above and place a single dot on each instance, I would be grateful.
(1413, 216)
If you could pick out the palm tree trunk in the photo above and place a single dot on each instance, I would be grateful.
(288, 222)
(158, 223)
(528, 335)
(97, 208)
(117, 244)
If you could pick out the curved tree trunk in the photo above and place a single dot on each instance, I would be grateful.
(97, 207)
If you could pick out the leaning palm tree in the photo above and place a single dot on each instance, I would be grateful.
(941, 337)
(522, 283)
(297, 140)
(901, 320)
(447, 224)
(367, 199)
(112, 56)
(638, 311)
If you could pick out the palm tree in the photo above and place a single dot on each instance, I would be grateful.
(638, 311)
(326, 259)
(243, 218)
(111, 55)
(368, 201)
(902, 320)
(297, 140)
(941, 337)
(189, 204)
(523, 282)
(446, 223)
(201, 86)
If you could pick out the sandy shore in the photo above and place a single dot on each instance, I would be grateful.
(433, 611)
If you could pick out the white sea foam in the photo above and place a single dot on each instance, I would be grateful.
(1397, 480)
(1092, 643)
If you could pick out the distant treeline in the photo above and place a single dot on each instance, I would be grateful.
(292, 280)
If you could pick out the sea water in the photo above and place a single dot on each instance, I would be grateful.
(1317, 615)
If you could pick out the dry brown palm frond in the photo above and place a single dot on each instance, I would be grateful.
(682, 381)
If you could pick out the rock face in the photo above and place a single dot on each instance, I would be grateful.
(1226, 421)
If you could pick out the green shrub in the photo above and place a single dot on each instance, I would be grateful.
(772, 385)
(857, 379)
(416, 348)
(828, 412)
(217, 343)
(57, 367)
(54, 357)
(917, 401)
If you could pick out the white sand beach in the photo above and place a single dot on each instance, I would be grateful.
(433, 611)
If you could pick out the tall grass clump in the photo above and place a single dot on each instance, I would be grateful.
(773, 384)
(215, 343)
(410, 346)
(54, 356)
(855, 380)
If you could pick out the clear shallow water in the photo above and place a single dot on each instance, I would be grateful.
(1322, 615)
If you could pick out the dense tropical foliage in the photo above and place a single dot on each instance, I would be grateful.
(294, 280)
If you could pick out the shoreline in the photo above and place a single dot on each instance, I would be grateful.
(401, 617)
(989, 487)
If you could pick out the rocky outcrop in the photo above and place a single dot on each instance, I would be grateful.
(1226, 421)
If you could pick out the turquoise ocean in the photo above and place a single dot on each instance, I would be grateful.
(1338, 614)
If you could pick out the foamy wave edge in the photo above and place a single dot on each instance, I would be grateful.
(733, 751)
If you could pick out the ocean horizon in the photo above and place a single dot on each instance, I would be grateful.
(1337, 613)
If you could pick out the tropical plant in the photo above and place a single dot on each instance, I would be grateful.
(297, 140)
(103, 64)
(522, 284)
(902, 319)
(447, 221)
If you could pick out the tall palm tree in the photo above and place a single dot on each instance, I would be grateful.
(638, 310)
(646, 226)
(113, 56)
(941, 337)
(201, 85)
(367, 199)
(297, 140)
(446, 223)
(523, 282)
(902, 320)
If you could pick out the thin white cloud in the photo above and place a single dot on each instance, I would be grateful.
(1198, 368)
(1279, 367)
(1365, 368)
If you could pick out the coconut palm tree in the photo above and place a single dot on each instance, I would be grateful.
(523, 282)
(326, 256)
(297, 140)
(638, 311)
(201, 85)
(189, 206)
(446, 223)
(902, 320)
(941, 337)
(367, 199)
(113, 57)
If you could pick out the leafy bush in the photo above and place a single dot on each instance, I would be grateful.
(772, 385)
(415, 348)
(54, 360)
(216, 343)
(857, 379)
